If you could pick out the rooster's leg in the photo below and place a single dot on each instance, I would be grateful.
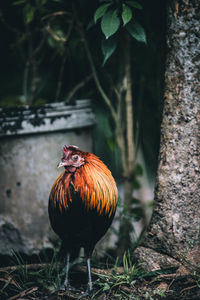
(89, 288)
(89, 276)
(66, 282)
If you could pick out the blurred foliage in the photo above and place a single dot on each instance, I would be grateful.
(43, 59)
(60, 61)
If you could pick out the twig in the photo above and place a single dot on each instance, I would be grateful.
(129, 109)
(55, 14)
(173, 275)
(10, 28)
(25, 79)
(54, 36)
(59, 85)
(170, 284)
(96, 79)
(77, 87)
(24, 293)
(39, 47)
(29, 266)
(188, 288)
(94, 72)
(69, 31)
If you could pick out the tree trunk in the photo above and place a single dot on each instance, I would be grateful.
(127, 147)
(174, 232)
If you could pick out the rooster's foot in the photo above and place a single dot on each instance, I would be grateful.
(66, 287)
(87, 294)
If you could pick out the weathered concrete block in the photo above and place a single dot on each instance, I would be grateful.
(31, 142)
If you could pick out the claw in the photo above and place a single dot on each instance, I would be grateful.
(66, 287)
(87, 294)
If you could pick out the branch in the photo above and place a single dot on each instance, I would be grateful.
(129, 109)
(9, 27)
(78, 87)
(95, 76)
(55, 14)
(28, 267)
(25, 79)
(121, 143)
(39, 47)
(54, 36)
(59, 85)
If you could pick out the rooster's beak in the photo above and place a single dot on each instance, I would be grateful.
(61, 164)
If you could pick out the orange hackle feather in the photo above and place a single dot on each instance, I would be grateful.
(94, 183)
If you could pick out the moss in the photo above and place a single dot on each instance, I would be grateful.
(10, 101)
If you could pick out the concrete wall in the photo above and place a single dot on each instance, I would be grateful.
(29, 154)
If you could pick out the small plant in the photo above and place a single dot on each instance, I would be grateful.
(196, 275)
(24, 278)
(124, 282)
(156, 292)
(125, 276)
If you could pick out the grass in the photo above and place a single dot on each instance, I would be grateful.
(121, 281)
(131, 282)
(128, 275)
(125, 280)
(44, 277)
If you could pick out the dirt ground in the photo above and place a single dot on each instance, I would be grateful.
(160, 286)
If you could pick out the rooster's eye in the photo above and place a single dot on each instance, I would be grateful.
(75, 157)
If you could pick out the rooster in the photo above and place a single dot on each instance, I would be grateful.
(82, 205)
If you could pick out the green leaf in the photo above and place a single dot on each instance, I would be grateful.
(90, 25)
(137, 213)
(126, 14)
(29, 12)
(108, 46)
(41, 2)
(136, 31)
(138, 170)
(19, 2)
(110, 23)
(136, 184)
(100, 11)
(111, 141)
(135, 201)
(106, 287)
(134, 4)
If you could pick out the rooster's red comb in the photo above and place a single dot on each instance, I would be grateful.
(70, 148)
